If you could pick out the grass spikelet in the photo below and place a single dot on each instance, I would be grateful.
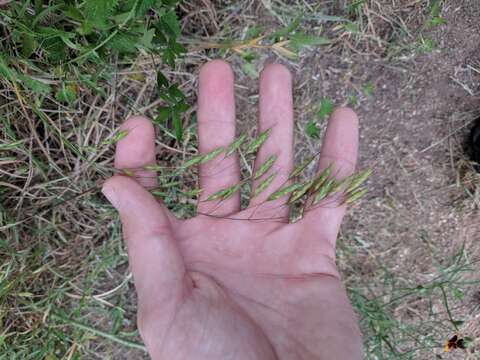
(284, 191)
(323, 191)
(264, 184)
(211, 155)
(193, 161)
(265, 167)
(302, 190)
(356, 195)
(299, 169)
(226, 193)
(257, 142)
(322, 178)
(234, 146)
(359, 180)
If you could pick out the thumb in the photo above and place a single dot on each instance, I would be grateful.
(155, 260)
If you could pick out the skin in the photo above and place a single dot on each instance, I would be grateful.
(219, 288)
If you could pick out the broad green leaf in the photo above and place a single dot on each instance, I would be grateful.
(258, 141)
(312, 130)
(325, 109)
(235, 145)
(212, 155)
(264, 184)
(98, 11)
(147, 38)
(265, 167)
(284, 191)
(169, 19)
(162, 81)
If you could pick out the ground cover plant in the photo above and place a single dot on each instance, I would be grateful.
(72, 71)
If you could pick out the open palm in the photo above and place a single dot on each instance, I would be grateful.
(232, 283)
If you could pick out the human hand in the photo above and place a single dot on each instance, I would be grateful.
(212, 287)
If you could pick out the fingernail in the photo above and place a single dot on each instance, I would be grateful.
(111, 195)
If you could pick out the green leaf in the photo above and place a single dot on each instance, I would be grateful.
(265, 167)
(300, 40)
(289, 29)
(264, 184)
(28, 45)
(147, 38)
(172, 26)
(144, 6)
(163, 113)
(123, 43)
(177, 126)
(67, 94)
(98, 11)
(5, 71)
(284, 191)
(312, 130)
(325, 109)
(258, 141)
(35, 85)
(235, 145)
(162, 81)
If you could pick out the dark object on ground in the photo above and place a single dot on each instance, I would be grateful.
(475, 144)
